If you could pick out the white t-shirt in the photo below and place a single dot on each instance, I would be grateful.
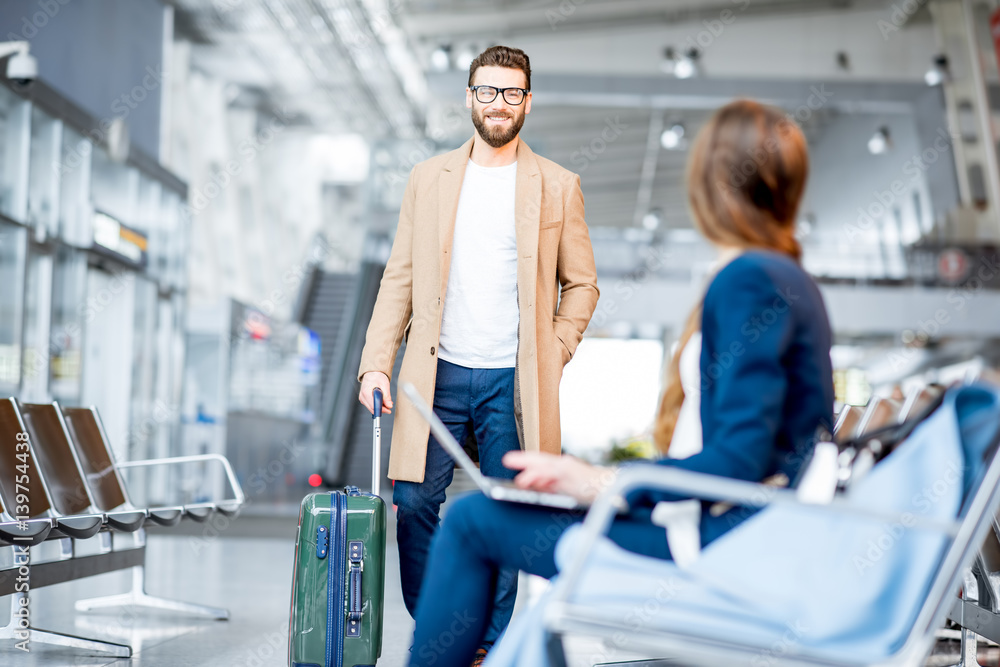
(479, 322)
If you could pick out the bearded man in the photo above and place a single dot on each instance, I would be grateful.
(491, 282)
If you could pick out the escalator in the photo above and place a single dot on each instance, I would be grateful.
(338, 307)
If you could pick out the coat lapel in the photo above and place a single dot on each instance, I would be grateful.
(527, 212)
(449, 189)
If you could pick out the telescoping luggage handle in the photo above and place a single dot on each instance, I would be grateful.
(377, 442)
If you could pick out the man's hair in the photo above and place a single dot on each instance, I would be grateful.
(502, 56)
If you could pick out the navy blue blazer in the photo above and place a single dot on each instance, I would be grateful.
(766, 378)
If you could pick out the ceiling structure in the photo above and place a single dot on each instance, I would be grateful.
(601, 99)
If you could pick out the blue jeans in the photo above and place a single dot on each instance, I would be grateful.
(464, 398)
(480, 536)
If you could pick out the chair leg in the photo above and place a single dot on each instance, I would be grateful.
(139, 598)
(14, 630)
(555, 649)
(968, 651)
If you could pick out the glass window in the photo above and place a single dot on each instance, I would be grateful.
(14, 129)
(114, 187)
(143, 421)
(12, 257)
(75, 214)
(43, 178)
(37, 315)
(147, 212)
(148, 220)
(69, 284)
(175, 229)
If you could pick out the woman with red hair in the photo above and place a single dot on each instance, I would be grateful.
(765, 386)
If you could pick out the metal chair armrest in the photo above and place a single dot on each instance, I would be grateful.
(707, 487)
(234, 484)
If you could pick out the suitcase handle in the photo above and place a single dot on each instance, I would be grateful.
(377, 442)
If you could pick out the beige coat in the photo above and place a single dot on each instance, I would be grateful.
(557, 294)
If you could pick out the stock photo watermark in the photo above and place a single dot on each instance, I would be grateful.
(958, 299)
(258, 482)
(31, 24)
(914, 169)
(587, 153)
(923, 502)
(900, 14)
(434, 649)
(639, 616)
(121, 107)
(220, 179)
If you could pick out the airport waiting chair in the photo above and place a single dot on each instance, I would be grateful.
(918, 400)
(25, 488)
(86, 432)
(94, 447)
(66, 484)
(17, 465)
(847, 422)
(61, 469)
(24, 523)
(878, 413)
(866, 579)
(103, 477)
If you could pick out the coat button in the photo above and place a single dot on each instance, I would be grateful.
(432, 351)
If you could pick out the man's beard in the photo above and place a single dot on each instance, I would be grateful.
(497, 136)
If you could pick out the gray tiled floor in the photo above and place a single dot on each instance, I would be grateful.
(250, 576)
(247, 569)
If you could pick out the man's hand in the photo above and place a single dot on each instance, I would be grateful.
(559, 474)
(371, 381)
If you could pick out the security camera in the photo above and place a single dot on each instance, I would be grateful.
(22, 68)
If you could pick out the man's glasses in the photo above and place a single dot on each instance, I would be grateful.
(486, 94)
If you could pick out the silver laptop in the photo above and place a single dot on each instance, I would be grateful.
(497, 489)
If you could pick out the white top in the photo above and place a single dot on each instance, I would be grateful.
(682, 518)
(479, 322)
(686, 440)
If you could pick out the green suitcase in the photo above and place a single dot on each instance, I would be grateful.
(339, 577)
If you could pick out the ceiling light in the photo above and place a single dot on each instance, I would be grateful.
(939, 72)
(673, 137)
(464, 58)
(652, 219)
(669, 60)
(687, 65)
(880, 143)
(680, 65)
(441, 58)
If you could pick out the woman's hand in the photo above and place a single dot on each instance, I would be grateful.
(559, 474)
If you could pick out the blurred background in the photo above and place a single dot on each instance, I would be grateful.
(197, 198)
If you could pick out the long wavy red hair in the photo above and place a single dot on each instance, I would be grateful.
(745, 178)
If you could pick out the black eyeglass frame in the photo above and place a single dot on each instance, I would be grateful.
(500, 91)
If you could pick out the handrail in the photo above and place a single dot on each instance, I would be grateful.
(194, 458)
(709, 487)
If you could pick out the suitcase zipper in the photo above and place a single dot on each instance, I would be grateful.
(335, 582)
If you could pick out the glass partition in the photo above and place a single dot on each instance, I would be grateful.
(114, 187)
(145, 420)
(14, 133)
(43, 180)
(75, 212)
(37, 318)
(175, 236)
(69, 309)
(13, 242)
